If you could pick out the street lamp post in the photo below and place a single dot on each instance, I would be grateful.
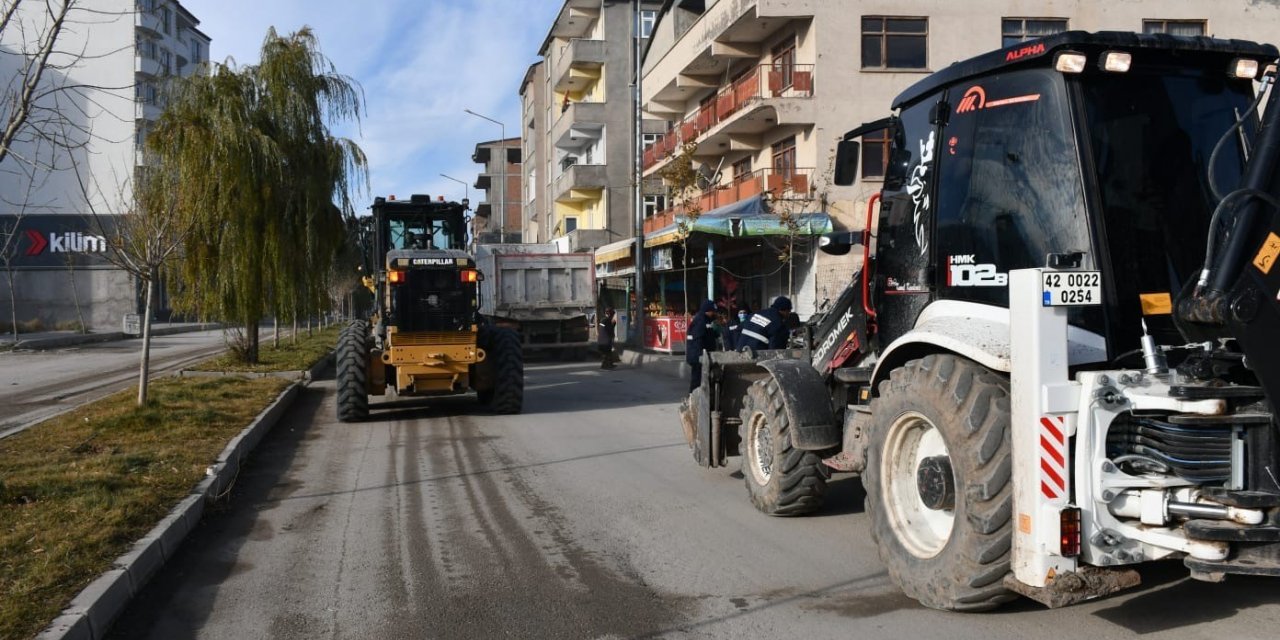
(466, 191)
(502, 162)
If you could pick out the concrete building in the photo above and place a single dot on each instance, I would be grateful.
(103, 94)
(763, 89)
(497, 215)
(533, 164)
(578, 120)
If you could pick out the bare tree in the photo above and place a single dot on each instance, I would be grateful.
(143, 238)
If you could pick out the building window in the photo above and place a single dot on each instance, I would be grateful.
(784, 61)
(1015, 30)
(875, 154)
(784, 157)
(894, 43)
(647, 139)
(570, 225)
(653, 205)
(648, 18)
(742, 169)
(165, 22)
(166, 61)
(1175, 27)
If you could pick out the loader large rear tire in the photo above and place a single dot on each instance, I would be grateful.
(353, 372)
(938, 481)
(781, 479)
(507, 395)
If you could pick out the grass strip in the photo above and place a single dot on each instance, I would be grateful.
(78, 490)
(288, 357)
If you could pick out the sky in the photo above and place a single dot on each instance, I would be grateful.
(420, 63)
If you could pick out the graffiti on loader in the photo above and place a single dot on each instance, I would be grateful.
(425, 336)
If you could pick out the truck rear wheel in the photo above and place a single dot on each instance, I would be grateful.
(938, 480)
(782, 480)
(353, 372)
(507, 394)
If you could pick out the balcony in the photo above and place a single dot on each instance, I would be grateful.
(577, 64)
(146, 111)
(148, 66)
(148, 21)
(726, 32)
(485, 181)
(580, 182)
(578, 120)
(779, 186)
(764, 98)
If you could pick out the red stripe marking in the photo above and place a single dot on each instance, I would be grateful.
(1053, 430)
(1053, 475)
(1052, 451)
(1047, 491)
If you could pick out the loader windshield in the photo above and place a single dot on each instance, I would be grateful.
(1149, 135)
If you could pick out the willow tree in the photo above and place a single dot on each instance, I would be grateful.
(262, 173)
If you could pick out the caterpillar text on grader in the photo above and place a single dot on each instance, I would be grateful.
(1061, 358)
(425, 336)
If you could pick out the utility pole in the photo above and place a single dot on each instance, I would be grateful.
(637, 160)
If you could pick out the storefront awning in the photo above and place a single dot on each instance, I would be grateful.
(615, 251)
(743, 219)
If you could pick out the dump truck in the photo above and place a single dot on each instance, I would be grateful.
(426, 335)
(543, 296)
(1061, 356)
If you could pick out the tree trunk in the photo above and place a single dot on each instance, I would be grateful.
(295, 328)
(144, 367)
(310, 326)
(251, 349)
(275, 331)
(13, 303)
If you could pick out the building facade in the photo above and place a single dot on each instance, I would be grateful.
(533, 164)
(760, 91)
(578, 116)
(101, 96)
(497, 216)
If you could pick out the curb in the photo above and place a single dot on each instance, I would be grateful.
(56, 342)
(91, 612)
(660, 363)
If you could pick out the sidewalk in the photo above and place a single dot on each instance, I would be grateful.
(57, 339)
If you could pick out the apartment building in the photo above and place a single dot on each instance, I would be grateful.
(101, 96)
(579, 125)
(497, 216)
(761, 90)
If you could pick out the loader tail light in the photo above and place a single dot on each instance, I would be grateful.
(1069, 532)
(396, 277)
(469, 275)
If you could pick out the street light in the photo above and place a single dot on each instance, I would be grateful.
(502, 161)
(466, 191)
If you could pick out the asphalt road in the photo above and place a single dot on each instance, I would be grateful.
(37, 384)
(585, 517)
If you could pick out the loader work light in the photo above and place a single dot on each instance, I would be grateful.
(1116, 61)
(1070, 62)
(1244, 68)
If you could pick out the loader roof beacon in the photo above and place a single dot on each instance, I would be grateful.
(425, 335)
(1060, 358)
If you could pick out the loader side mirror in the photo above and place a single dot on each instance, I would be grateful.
(847, 152)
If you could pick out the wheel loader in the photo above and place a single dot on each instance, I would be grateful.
(425, 336)
(1060, 359)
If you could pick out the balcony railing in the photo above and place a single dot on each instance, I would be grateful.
(785, 184)
(763, 82)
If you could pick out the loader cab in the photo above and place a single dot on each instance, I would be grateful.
(1090, 144)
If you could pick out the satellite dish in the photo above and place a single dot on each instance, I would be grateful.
(707, 178)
